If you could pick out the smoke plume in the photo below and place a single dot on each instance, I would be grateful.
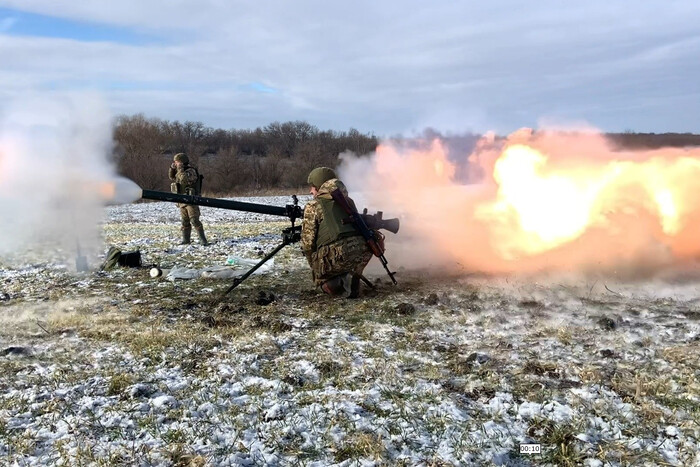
(53, 159)
(541, 200)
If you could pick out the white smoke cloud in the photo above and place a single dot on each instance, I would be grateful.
(53, 156)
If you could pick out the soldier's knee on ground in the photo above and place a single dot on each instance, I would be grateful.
(339, 285)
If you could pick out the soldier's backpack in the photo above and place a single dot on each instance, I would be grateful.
(197, 188)
(198, 185)
(111, 258)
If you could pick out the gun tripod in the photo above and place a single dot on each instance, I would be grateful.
(289, 235)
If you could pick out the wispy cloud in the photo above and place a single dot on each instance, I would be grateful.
(37, 25)
(6, 23)
(260, 87)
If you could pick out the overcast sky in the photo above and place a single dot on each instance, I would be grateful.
(385, 67)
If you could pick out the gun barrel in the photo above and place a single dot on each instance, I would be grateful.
(291, 211)
(375, 221)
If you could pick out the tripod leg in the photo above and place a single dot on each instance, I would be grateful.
(237, 281)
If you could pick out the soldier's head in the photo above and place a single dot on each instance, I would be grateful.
(318, 177)
(181, 159)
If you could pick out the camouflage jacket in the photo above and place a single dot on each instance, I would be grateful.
(313, 215)
(186, 177)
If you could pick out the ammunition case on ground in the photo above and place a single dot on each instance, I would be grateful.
(156, 272)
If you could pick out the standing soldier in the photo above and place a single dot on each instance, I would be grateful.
(336, 251)
(187, 181)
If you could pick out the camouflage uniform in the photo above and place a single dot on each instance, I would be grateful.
(186, 180)
(347, 254)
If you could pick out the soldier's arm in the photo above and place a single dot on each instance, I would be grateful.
(172, 172)
(309, 229)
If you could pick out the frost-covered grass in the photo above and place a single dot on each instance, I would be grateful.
(117, 368)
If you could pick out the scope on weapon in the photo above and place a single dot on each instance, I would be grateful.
(375, 221)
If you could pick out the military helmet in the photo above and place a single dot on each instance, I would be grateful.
(181, 157)
(320, 175)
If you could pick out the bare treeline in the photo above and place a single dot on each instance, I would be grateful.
(631, 140)
(279, 155)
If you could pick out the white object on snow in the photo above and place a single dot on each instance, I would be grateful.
(182, 273)
(156, 272)
(220, 272)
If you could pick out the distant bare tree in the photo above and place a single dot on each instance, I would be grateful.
(224, 173)
(309, 155)
(273, 170)
(190, 137)
(138, 150)
(283, 138)
(255, 169)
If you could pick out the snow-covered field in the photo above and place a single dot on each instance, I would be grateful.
(118, 368)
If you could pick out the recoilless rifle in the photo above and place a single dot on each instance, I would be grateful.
(366, 224)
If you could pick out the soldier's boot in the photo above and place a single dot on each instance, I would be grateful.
(185, 237)
(202, 237)
(354, 286)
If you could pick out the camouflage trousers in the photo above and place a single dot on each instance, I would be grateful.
(189, 214)
(347, 255)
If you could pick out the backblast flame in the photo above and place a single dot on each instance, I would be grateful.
(548, 200)
(119, 190)
(551, 206)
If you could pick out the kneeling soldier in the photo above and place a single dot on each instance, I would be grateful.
(336, 251)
